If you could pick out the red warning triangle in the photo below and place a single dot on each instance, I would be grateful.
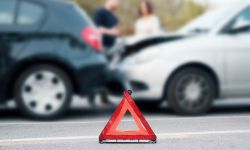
(144, 132)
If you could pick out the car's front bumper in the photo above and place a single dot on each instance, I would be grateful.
(147, 79)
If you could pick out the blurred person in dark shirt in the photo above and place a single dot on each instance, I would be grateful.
(107, 25)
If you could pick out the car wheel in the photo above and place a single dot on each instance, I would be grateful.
(191, 91)
(43, 92)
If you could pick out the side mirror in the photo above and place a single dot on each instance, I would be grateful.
(239, 27)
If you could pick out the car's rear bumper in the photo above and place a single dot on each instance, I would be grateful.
(91, 78)
(99, 77)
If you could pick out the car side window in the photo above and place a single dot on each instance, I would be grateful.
(7, 12)
(243, 19)
(29, 13)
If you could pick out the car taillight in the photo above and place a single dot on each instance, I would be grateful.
(93, 38)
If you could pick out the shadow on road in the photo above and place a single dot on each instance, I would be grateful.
(147, 109)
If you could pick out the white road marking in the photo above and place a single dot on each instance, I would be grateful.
(189, 134)
(45, 140)
(125, 120)
(178, 135)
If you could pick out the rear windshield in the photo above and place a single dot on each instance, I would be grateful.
(74, 17)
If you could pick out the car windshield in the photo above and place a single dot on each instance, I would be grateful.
(206, 22)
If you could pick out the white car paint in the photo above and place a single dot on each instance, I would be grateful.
(226, 55)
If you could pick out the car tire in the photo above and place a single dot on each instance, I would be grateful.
(43, 92)
(191, 91)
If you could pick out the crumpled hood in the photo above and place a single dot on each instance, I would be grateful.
(149, 42)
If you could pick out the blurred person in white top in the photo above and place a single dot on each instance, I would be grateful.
(148, 25)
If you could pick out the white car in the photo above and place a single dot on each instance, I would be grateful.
(209, 61)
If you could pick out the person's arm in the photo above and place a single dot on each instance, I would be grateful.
(98, 18)
(155, 25)
(137, 28)
(114, 31)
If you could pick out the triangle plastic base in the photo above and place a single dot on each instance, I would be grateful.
(127, 141)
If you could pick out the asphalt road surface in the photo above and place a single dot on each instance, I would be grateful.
(225, 127)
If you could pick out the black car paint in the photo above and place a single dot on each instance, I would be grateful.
(55, 40)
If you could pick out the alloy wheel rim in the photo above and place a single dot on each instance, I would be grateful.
(192, 91)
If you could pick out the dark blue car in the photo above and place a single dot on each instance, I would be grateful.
(49, 50)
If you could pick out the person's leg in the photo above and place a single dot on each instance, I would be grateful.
(92, 99)
(104, 96)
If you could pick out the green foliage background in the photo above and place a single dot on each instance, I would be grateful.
(173, 13)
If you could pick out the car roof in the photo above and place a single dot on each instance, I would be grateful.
(238, 3)
(60, 0)
(47, 1)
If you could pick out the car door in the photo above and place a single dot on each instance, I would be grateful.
(27, 19)
(237, 66)
(19, 20)
(8, 9)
